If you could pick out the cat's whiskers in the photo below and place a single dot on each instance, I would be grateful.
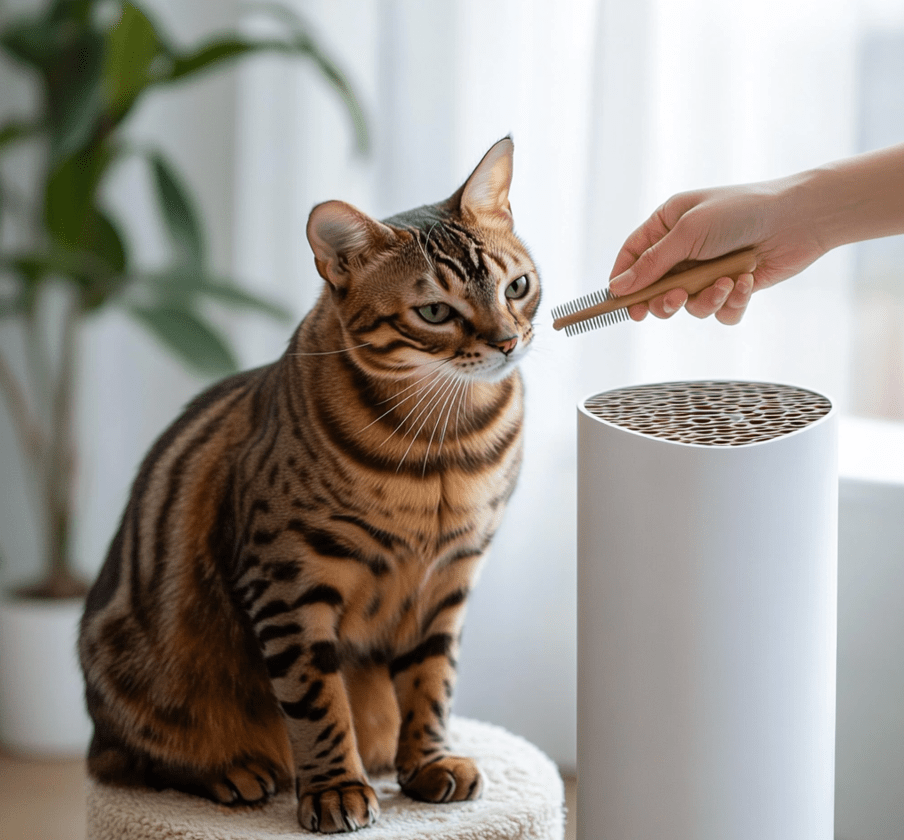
(426, 243)
(448, 400)
(464, 394)
(400, 403)
(438, 379)
(433, 373)
(333, 352)
(436, 362)
(425, 412)
(457, 395)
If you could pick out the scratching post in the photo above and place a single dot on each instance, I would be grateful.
(522, 800)
(707, 543)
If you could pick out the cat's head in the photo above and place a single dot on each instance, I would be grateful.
(447, 284)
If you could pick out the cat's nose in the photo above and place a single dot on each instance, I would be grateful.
(506, 345)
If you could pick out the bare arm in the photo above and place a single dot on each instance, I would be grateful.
(790, 221)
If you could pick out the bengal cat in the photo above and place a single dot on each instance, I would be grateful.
(284, 597)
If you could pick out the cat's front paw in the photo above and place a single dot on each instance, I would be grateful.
(243, 783)
(446, 779)
(346, 807)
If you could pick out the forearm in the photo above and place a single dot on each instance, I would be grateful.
(850, 200)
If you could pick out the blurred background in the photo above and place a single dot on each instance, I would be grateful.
(613, 107)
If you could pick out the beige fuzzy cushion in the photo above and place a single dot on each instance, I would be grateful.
(522, 800)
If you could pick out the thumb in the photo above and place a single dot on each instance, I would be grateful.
(651, 264)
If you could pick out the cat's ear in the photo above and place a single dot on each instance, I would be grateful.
(485, 194)
(343, 238)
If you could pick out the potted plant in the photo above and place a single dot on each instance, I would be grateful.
(93, 62)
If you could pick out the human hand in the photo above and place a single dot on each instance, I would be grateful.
(705, 224)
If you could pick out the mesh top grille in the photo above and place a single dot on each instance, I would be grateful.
(711, 413)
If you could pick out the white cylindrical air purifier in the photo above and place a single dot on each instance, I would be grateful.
(707, 576)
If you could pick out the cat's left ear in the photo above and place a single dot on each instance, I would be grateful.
(343, 238)
(485, 194)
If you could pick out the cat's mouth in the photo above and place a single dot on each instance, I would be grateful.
(493, 366)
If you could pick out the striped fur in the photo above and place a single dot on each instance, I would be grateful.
(283, 600)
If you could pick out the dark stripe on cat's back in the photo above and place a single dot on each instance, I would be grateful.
(104, 588)
(222, 540)
(198, 405)
(175, 476)
(228, 390)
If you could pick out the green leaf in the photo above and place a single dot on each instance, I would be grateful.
(106, 261)
(132, 45)
(336, 78)
(108, 244)
(188, 337)
(31, 40)
(98, 269)
(299, 43)
(15, 130)
(215, 52)
(75, 95)
(77, 10)
(70, 196)
(182, 220)
(231, 295)
(183, 284)
(304, 42)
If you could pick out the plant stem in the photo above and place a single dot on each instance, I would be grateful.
(30, 434)
(60, 455)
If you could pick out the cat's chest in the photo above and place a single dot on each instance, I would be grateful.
(442, 531)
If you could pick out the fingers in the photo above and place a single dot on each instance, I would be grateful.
(652, 264)
(725, 299)
(735, 304)
(711, 299)
(668, 304)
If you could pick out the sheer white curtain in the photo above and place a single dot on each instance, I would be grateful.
(613, 107)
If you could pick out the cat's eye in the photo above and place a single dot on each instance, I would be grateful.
(517, 288)
(435, 313)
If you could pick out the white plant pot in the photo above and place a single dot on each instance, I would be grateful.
(42, 705)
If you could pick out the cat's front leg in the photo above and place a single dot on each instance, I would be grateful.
(424, 680)
(301, 653)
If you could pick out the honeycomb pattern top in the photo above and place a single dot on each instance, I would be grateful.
(713, 413)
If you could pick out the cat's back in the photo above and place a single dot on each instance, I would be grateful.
(180, 484)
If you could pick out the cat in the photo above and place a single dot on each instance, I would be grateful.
(284, 597)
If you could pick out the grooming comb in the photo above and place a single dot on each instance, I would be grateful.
(602, 308)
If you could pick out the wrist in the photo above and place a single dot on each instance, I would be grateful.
(814, 207)
(851, 200)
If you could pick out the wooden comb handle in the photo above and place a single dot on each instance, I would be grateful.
(692, 281)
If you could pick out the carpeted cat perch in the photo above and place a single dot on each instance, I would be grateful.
(522, 800)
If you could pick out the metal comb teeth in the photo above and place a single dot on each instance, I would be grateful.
(585, 302)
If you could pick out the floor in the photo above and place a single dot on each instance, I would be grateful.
(44, 800)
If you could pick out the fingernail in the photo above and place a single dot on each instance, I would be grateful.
(745, 283)
(723, 293)
(621, 284)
